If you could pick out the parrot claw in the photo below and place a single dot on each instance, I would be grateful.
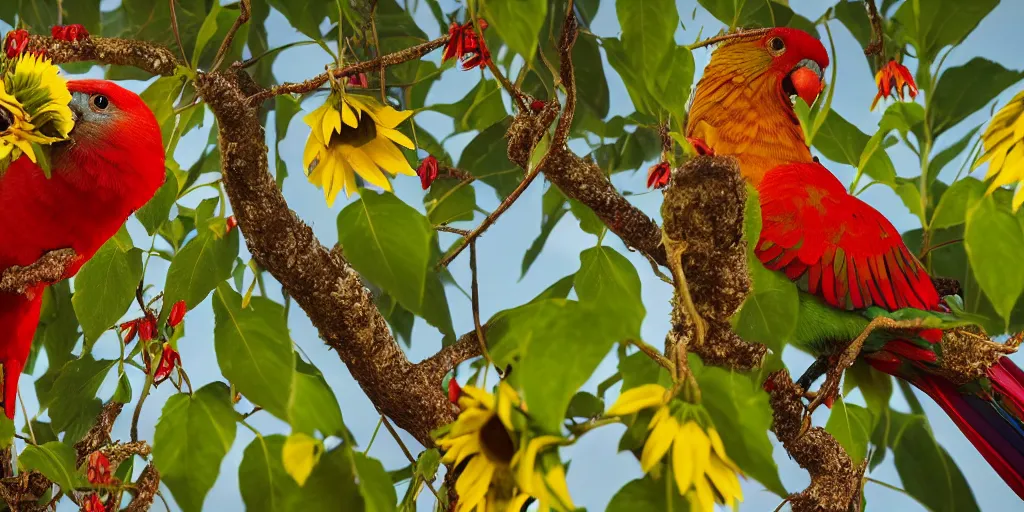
(71, 33)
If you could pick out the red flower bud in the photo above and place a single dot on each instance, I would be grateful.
(71, 33)
(454, 391)
(537, 105)
(427, 171)
(168, 360)
(658, 175)
(891, 80)
(358, 81)
(129, 330)
(93, 503)
(232, 222)
(147, 328)
(177, 313)
(15, 42)
(99, 469)
(700, 146)
(466, 45)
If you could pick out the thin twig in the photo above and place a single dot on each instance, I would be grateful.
(312, 84)
(938, 246)
(245, 11)
(408, 455)
(376, 45)
(177, 33)
(653, 353)
(877, 35)
(728, 37)
(475, 290)
(449, 229)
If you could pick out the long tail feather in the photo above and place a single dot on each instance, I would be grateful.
(993, 422)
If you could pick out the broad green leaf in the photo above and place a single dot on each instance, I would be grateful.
(56, 461)
(213, 31)
(191, 439)
(742, 416)
(480, 108)
(374, 484)
(254, 350)
(6, 432)
(647, 31)
(993, 238)
(331, 487)
(876, 387)
(933, 25)
(518, 22)
(648, 495)
(313, 406)
(160, 97)
(768, 13)
(155, 212)
(589, 221)
(285, 108)
(852, 14)
(300, 454)
(965, 89)
(558, 344)
(672, 83)
(74, 405)
(954, 203)
(842, 142)
(395, 247)
(58, 326)
(304, 16)
(147, 20)
(486, 158)
(946, 156)
(585, 405)
(631, 72)
(638, 369)
(629, 151)
(105, 286)
(552, 211)
(264, 483)
(851, 425)
(609, 283)
(198, 268)
(906, 117)
(449, 201)
(927, 471)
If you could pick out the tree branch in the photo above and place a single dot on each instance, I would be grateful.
(149, 57)
(49, 269)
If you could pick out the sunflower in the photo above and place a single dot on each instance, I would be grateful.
(703, 472)
(33, 107)
(482, 438)
(1004, 149)
(354, 134)
(539, 473)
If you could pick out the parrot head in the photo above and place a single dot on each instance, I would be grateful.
(115, 144)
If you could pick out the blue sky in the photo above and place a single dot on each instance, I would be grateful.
(597, 471)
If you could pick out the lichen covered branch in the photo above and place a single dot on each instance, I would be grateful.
(149, 57)
(49, 269)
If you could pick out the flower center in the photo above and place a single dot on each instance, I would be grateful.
(496, 443)
(364, 132)
(6, 119)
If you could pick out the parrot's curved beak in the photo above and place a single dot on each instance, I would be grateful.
(806, 81)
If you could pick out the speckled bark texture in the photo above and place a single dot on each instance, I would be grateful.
(968, 353)
(835, 480)
(48, 269)
(145, 490)
(148, 57)
(703, 208)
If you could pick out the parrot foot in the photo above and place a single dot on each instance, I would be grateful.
(814, 371)
(829, 390)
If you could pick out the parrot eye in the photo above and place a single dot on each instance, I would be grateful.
(776, 46)
(99, 102)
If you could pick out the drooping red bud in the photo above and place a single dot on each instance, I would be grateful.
(93, 503)
(168, 360)
(129, 330)
(454, 391)
(427, 171)
(147, 328)
(15, 42)
(177, 313)
(658, 175)
(71, 33)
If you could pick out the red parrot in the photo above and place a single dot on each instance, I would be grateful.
(848, 260)
(110, 166)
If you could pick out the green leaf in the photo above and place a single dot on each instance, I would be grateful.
(552, 211)
(589, 221)
(648, 495)
(331, 486)
(742, 416)
(105, 286)
(632, 74)
(264, 484)
(151, 21)
(213, 31)
(927, 471)
(254, 350)
(559, 344)
(874, 385)
(313, 406)
(304, 16)
(931, 26)
(191, 439)
(198, 268)
(395, 247)
(638, 369)
(851, 425)
(610, 285)
(852, 14)
(6, 432)
(58, 326)
(74, 405)
(285, 108)
(585, 405)
(903, 116)
(56, 461)
(647, 31)
(954, 203)
(374, 484)
(155, 212)
(769, 13)
(965, 89)
(449, 201)
(518, 22)
(993, 238)
(480, 108)
(944, 157)
(486, 158)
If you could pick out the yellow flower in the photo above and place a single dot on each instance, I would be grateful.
(33, 107)
(702, 470)
(1004, 149)
(543, 479)
(482, 437)
(354, 134)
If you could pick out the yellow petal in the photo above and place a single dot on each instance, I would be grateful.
(470, 420)
(517, 503)
(554, 480)
(25, 148)
(724, 480)
(682, 461)
(634, 399)
(473, 482)
(705, 498)
(347, 116)
(390, 118)
(332, 124)
(310, 153)
(658, 443)
(350, 182)
(365, 166)
(397, 136)
(526, 465)
(315, 120)
(700, 447)
(475, 396)
(300, 455)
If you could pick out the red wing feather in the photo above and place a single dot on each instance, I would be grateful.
(853, 256)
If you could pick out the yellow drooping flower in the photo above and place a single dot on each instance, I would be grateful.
(1004, 149)
(703, 472)
(354, 134)
(34, 108)
(482, 437)
(539, 473)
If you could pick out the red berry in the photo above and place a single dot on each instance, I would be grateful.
(454, 391)
(537, 105)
